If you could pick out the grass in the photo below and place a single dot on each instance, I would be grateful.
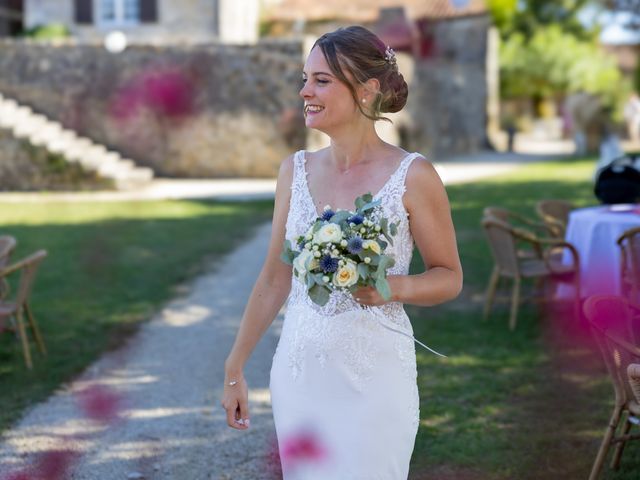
(110, 267)
(528, 404)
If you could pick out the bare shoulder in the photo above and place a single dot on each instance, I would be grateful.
(318, 154)
(423, 182)
(286, 166)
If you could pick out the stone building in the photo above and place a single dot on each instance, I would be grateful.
(11, 18)
(151, 21)
(447, 51)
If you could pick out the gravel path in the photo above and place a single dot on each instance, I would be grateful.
(169, 377)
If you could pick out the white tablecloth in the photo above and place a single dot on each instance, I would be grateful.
(594, 232)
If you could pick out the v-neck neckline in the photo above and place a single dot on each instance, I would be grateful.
(380, 190)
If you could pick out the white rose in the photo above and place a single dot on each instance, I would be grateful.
(346, 275)
(329, 233)
(300, 263)
(372, 245)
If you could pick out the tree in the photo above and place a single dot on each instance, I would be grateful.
(553, 62)
(528, 16)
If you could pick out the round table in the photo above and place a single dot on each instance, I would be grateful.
(594, 232)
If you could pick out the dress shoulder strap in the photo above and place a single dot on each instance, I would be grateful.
(397, 184)
(404, 167)
(298, 169)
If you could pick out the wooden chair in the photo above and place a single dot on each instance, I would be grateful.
(629, 243)
(517, 220)
(13, 310)
(555, 214)
(502, 239)
(7, 245)
(610, 319)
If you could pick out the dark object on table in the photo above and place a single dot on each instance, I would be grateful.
(618, 182)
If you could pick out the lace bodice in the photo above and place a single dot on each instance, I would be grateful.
(302, 213)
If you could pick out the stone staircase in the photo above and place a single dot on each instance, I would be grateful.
(40, 131)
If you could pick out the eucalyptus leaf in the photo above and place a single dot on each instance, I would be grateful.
(310, 280)
(385, 262)
(367, 197)
(340, 216)
(363, 270)
(287, 254)
(384, 225)
(319, 295)
(393, 229)
(369, 206)
(382, 285)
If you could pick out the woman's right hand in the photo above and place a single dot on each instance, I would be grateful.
(235, 400)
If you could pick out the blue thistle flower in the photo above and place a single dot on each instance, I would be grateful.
(327, 214)
(354, 245)
(356, 219)
(328, 264)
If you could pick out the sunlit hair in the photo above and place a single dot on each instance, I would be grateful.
(359, 52)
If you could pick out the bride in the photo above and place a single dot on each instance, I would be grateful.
(343, 379)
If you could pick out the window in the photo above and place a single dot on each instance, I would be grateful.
(119, 12)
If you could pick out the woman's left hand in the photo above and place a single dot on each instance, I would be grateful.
(370, 297)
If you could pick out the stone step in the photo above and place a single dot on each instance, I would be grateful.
(134, 179)
(46, 135)
(23, 122)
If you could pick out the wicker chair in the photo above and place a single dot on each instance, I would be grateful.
(555, 215)
(502, 239)
(629, 243)
(517, 220)
(611, 320)
(7, 245)
(13, 310)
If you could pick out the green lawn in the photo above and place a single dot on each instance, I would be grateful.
(110, 267)
(509, 405)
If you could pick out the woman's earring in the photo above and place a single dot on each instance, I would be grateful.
(364, 100)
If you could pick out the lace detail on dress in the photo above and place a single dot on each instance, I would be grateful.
(318, 326)
(302, 213)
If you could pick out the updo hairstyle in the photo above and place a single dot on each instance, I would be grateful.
(361, 53)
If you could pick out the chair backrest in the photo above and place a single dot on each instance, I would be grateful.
(502, 244)
(629, 243)
(497, 212)
(610, 319)
(28, 267)
(555, 213)
(7, 245)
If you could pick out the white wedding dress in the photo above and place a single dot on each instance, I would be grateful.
(343, 379)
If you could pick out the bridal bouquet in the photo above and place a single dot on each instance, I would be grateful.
(343, 250)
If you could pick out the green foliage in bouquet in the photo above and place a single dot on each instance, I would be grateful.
(344, 250)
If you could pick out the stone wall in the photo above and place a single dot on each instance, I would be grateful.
(25, 167)
(448, 99)
(187, 111)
